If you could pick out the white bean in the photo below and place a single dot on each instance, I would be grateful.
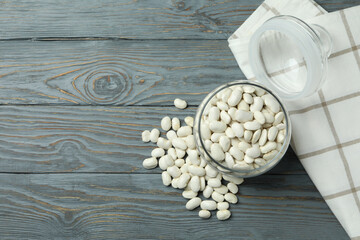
(190, 141)
(175, 182)
(188, 194)
(259, 117)
(281, 126)
(171, 135)
(248, 98)
(179, 103)
(232, 112)
(232, 187)
(225, 94)
(207, 191)
(154, 135)
(157, 152)
(195, 183)
(179, 162)
(196, 170)
(256, 136)
(248, 135)
(253, 125)
(230, 133)
(217, 126)
(208, 205)
(272, 103)
(210, 171)
(229, 160)
(248, 89)
(253, 152)
(183, 180)
(272, 133)
(223, 206)
(165, 162)
(225, 117)
(263, 137)
(175, 123)
(174, 171)
(205, 131)
(223, 214)
(214, 182)
(217, 196)
(214, 114)
(208, 144)
(242, 165)
(193, 203)
(180, 153)
(269, 146)
(259, 91)
(236, 153)
(270, 155)
(243, 116)
(260, 161)
(257, 105)
(194, 157)
(202, 183)
(248, 159)
(231, 198)
(204, 213)
(166, 178)
(243, 106)
(235, 97)
(184, 131)
(222, 189)
(278, 118)
(150, 163)
(280, 137)
(222, 106)
(145, 136)
(189, 121)
(217, 152)
(166, 123)
(179, 143)
(238, 129)
(224, 142)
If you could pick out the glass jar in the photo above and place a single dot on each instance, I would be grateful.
(220, 167)
(289, 56)
(289, 60)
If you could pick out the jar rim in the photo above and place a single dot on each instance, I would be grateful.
(238, 172)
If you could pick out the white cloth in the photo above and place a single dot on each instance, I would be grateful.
(326, 125)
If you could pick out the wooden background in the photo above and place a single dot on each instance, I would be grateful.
(80, 80)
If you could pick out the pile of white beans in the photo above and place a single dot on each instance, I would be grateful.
(243, 127)
(183, 168)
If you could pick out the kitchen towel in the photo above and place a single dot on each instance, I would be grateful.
(326, 125)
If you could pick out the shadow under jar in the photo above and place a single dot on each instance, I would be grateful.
(221, 166)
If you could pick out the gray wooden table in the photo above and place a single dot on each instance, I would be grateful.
(80, 80)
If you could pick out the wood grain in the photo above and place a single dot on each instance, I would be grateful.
(113, 72)
(113, 206)
(150, 19)
(85, 139)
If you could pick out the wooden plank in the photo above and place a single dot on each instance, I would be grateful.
(113, 206)
(151, 19)
(86, 139)
(113, 72)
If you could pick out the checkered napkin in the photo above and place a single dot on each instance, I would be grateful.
(326, 125)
